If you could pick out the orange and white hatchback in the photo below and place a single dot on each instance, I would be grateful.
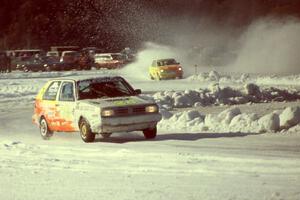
(100, 105)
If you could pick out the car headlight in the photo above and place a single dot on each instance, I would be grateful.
(180, 69)
(161, 70)
(45, 65)
(107, 113)
(151, 109)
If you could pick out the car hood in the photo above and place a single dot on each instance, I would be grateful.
(169, 67)
(117, 101)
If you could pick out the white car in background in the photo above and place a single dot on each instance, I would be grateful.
(100, 105)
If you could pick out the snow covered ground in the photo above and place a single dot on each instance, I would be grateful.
(222, 137)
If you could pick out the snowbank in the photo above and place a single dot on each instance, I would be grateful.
(290, 117)
(242, 78)
(215, 95)
(231, 120)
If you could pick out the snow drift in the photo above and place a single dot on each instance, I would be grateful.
(231, 120)
(215, 95)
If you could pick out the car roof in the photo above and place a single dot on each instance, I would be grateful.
(69, 52)
(159, 60)
(107, 54)
(102, 54)
(82, 78)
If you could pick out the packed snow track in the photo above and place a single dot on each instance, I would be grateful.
(182, 162)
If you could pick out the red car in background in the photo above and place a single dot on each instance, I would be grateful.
(109, 60)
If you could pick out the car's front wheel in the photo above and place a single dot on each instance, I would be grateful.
(45, 132)
(158, 77)
(85, 131)
(150, 133)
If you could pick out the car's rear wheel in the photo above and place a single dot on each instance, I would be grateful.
(150, 133)
(105, 135)
(45, 132)
(85, 131)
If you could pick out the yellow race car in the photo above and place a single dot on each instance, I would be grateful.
(165, 69)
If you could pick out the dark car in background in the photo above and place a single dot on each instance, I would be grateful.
(46, 63)
(34, 65)
(53, 64)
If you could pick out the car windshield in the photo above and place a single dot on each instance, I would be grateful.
(104, 88)
(71, 54)
(117, 56)
(103, 57)
(167, 62)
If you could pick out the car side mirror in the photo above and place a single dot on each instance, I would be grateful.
(138, 91)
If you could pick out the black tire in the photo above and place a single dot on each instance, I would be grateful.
(45, 132)
(85, 131)
(151, 77)
(150, 133)
(105, 135)
(158, 77)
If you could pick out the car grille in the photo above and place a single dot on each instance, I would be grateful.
(135, 110)
(121, 111)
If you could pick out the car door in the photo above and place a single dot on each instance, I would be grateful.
(47, 106)
(65, 104)
(152, 69)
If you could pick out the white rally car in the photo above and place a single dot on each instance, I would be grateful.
(100, 105)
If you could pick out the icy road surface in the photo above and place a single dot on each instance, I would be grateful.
(185, 165)
(173, 166)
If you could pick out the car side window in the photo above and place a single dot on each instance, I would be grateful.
(67, 92)
(51, 91)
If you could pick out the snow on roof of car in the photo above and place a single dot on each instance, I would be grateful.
(82, 78)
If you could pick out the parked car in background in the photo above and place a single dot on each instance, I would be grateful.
(70, 58)
(165, 69)
(27, 52)
(54, 64)
(53, 54)
(34, 65)
(20, 62)
(109, 60)
(100, 105)
(61, 49)
(21, 56)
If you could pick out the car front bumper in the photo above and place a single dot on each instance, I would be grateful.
(127, 123)
(170, 74)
